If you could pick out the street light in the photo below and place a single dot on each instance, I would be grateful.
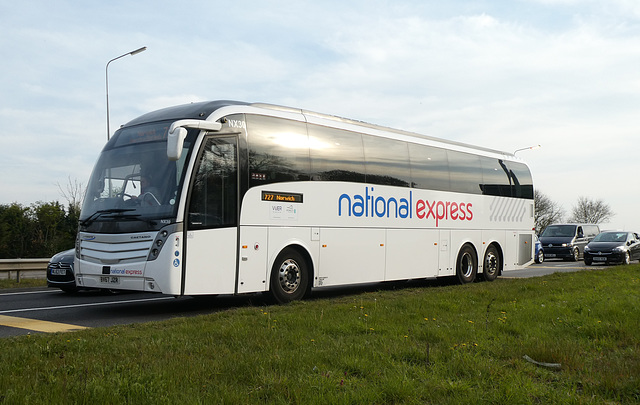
(530, 147)
(106, 75)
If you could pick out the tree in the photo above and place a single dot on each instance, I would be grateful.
(16, 229)
(591, 211)
(74, 194)
(547, 211)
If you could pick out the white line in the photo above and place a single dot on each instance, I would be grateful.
(91, 304)
(29, 292)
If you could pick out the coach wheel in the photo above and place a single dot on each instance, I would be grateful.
(289, 277)
(466, 265)
(491, 267)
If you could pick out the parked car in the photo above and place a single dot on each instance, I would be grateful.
(567, 241)
(539, 251)
(613, 247)
(60, 271)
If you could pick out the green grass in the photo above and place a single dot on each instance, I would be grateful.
(24, 283)
(421, 344)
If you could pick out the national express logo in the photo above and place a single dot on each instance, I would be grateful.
(371, 206)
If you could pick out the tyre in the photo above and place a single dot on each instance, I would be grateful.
(540, 256)
(626, 259)
(290, 278)
(588, 262)
(492, 266)
(575, 255)
(466, 265)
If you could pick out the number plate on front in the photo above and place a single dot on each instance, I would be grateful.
(599, 259)
(550, 255)
(109, 280)
(58, 272)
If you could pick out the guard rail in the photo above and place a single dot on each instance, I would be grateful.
(36, 268)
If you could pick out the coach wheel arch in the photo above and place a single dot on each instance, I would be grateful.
(291, 276)
(492, 263)
(467, 264)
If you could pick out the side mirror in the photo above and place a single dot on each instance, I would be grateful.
(177, 133)
(175, 141)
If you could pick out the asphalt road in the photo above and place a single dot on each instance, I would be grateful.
(43, 310)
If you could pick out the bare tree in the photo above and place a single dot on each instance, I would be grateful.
(591, 211)
(74, 193)
(547, 211)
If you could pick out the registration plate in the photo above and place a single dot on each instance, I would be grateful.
(109, 280)
(599, 259)
(550, 255)
(58, 272)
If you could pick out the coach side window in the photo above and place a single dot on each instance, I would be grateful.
(521, 181)
(495, 177)
(386, 161)
(278, 150)
(429, 167)
(336, 155)
(465, 172)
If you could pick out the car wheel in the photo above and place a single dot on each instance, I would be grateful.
(576, 255)
(289, 277)
(466, 265)
(627, 258)
(588, 262)
(540, 256)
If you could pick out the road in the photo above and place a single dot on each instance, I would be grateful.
(43, 310)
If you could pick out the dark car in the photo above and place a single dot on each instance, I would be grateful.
(60, 271)
(613, 247)
(539, 251)
(567, 241)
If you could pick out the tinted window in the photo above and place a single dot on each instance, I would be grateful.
(521, 180)
(465, 172)
(214, 193)
(336, 155)
(495, 177)
(386, 161)
(278, 150)
(429, 167)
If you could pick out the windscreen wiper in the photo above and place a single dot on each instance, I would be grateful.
(135, 217)
(100, 213)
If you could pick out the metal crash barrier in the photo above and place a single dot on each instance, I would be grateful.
(35, 268)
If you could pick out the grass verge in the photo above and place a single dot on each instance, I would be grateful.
(24, 283)
(445, 345)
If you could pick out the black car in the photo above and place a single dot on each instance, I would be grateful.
(613, 247)
(60, 271)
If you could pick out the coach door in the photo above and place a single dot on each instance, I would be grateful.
(212, 219)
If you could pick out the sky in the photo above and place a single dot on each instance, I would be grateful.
(503, 74)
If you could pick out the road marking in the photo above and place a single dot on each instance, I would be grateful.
(29, 292)
(90, 304)
(37, 325)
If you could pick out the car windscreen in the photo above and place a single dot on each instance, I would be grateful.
(559, 231)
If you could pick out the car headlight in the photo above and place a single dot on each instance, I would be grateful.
(587, 249)
(619, 249)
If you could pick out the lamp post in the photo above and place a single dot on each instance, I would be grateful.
(106, 75)
(530, 147)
